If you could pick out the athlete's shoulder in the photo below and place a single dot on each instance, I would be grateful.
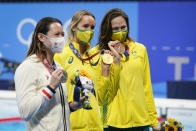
(138, 45)
(94, 49)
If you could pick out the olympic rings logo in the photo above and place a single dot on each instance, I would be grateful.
(31, 21)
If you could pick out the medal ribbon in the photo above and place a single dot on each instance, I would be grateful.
(86, 59)
(126, 52)
(46, 63)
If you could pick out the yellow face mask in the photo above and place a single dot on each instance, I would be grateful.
(119, 35)
(85, 36)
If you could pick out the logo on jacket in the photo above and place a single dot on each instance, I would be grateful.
(70, 59)
(134, 53)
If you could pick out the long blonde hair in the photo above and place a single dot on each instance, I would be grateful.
(74, 22)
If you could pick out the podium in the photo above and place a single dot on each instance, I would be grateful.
(181, 89)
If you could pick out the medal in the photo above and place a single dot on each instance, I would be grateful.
(75, 51)
(107, 59)
(64, 77)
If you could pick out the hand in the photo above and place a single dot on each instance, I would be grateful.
(56, 77)
(64, 77)
(111, 45)
(106, 67)
(120, 48)
(116, 50)
(75, 105)
(156, 128)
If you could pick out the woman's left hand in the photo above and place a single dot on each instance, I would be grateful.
(75, 105)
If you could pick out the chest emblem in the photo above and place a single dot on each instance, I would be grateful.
(70, 59)
(134, 53)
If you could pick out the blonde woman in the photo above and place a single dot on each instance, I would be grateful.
(76, 56)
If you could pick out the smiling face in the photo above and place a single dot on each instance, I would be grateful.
(55, 31)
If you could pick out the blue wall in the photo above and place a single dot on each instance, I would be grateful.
(171, 25)
(167, 29)
(19, 19)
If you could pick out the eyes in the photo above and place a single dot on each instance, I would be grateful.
(124, 27)
(59, 34)
(88, 26)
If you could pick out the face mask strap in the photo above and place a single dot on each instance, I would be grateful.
(84, 30)
(119, 31)
(124, 30)
(49, 37)
(45, 35)
(46, 43)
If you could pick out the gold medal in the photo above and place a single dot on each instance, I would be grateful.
(107, 59)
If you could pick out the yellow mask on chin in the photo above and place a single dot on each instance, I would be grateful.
(84, 36)
(119, 35)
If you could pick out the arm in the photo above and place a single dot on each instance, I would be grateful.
(102, 89)
(114, 70)
(148, 92)
(100, 74)
(110, 88)
(107, 84)
(30, 100)
(114, 81)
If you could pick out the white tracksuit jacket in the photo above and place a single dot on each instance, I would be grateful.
(38, 106)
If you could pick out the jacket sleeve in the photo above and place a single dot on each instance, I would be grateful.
(101, 89)
(108, 86)
(114, 81)
(148, 92)
(30, 98)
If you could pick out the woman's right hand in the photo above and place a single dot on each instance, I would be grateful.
(56, 78)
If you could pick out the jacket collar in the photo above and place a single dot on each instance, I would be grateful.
(130, 43)
(77, 47)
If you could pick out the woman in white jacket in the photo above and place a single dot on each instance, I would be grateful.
(40, 81)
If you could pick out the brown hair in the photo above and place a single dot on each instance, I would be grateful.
(37, 47)
(105, 32)
(74, 22)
